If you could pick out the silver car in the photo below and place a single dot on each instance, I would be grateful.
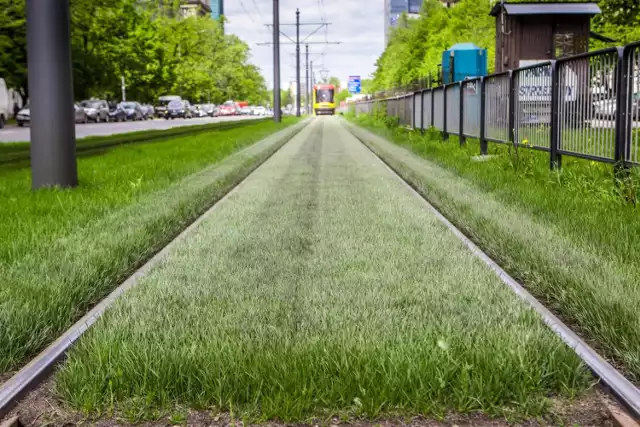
(81, 115)
(23, 116)
(96, 110)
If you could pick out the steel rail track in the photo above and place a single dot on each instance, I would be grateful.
(42, 365)
(622, 389)
(86, 148)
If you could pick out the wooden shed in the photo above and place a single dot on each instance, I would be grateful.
(540, 31)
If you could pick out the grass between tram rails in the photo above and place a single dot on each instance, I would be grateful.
(321, 288)
(62, 251)
(571, 236)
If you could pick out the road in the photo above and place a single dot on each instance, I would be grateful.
(17, 134)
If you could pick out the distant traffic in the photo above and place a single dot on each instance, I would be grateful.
(168, 107)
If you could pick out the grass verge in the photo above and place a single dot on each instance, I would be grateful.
(570, 236)
(321, 287)
(18, 152)
(65, 249)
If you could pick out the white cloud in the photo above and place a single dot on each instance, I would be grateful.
(358, 24)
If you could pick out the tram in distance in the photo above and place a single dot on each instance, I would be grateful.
(323, 100)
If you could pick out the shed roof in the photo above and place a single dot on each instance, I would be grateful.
(547, 9)
(464, 46)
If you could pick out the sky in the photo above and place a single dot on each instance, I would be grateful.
(357, 24)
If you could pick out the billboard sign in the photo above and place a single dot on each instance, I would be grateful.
(534, 84)
(354, 84)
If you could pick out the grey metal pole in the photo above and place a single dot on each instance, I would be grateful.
(306, 95)
(53, 133)
(276, 61)
(311, 87)
(297, 62)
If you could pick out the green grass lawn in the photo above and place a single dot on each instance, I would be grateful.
(18, 152)
(61, 251)
(321, 287)
(570, 236)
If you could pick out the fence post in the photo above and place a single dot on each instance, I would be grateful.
(555, 159)
(432, 112)
(462, 137)
(445, 135)
(512, 107)
(622, 109)
(422, 112)
(483, 97)
(415, 109)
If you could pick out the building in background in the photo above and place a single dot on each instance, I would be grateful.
(394, 8)
(190, 8)
(217, 8)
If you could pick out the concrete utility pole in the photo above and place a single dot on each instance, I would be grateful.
(297, 62)
(124, 90)
(53, 132)
(276, 61)
(306, 95)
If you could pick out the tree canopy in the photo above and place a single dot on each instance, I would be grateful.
(148, 43)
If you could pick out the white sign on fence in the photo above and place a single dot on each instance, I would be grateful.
(534, 84)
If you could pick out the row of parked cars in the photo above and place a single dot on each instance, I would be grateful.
(170, 107)
(173, 107)
(97, 111)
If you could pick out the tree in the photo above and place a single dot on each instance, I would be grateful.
(342, 95)
(13, 46)
(145, 41)
(620, 20)
(415, 47)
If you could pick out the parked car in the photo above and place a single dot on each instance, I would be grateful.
(148, 111)
(245, 111)
(97, 110)
(605, 107)
(207, 109)
(132, 110)
(259, 111)
(229, 108)
(199, 111)
(81, 115)
(210, 109)
(163, 102)
(179, 109)
(116, 114)
(23, 116)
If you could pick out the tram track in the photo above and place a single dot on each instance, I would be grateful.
(624, 391)
(41, 366)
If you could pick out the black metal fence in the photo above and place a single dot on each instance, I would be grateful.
(586, 106)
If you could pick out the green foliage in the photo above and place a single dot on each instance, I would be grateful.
(366, 85)
(415, 47)
(13, 39)
(619, 20)
(342, 95)
(148, 43)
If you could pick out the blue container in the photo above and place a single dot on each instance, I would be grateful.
(463, 60)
